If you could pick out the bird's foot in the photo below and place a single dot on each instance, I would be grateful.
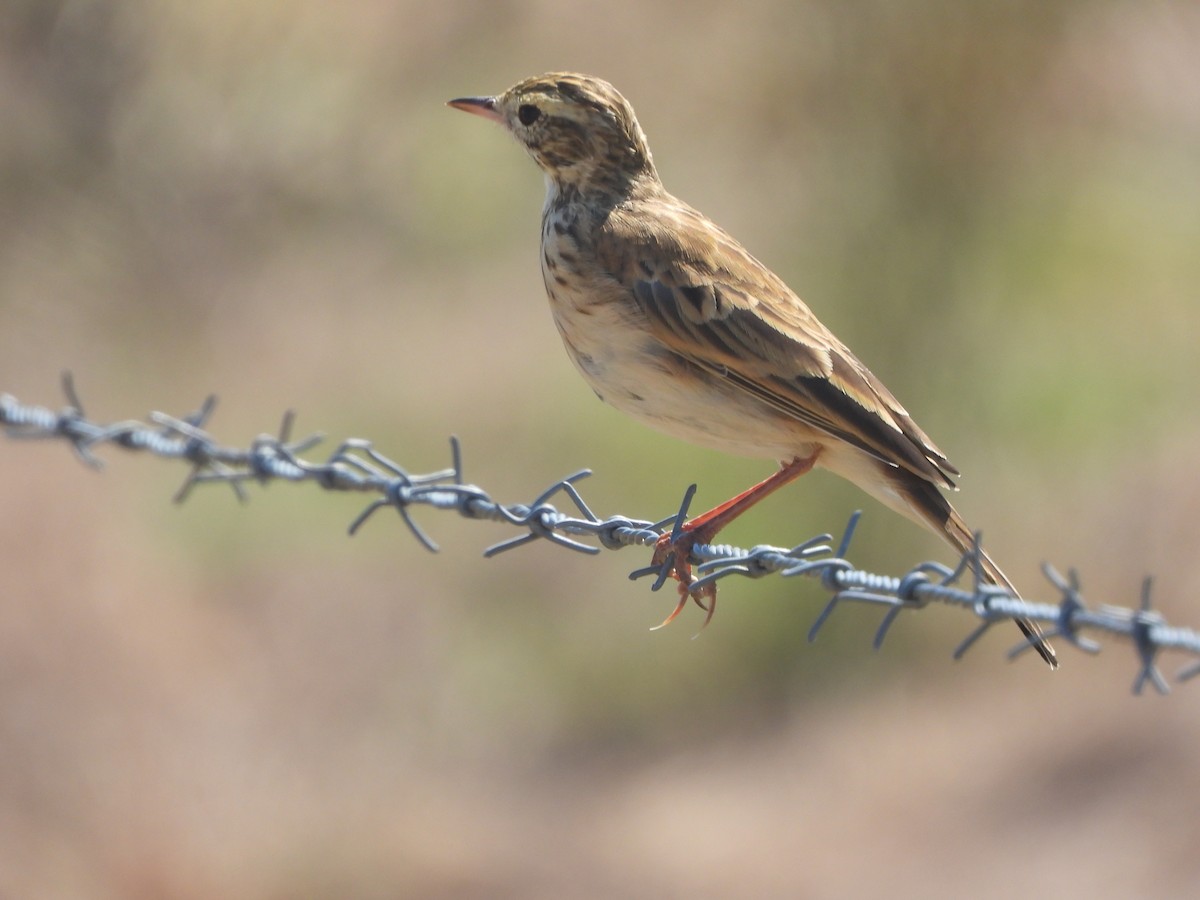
(675, 551)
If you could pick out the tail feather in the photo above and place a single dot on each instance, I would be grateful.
(935, 512)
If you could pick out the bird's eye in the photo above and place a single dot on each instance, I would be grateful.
(527, 113)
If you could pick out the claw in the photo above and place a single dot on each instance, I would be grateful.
(683, 600)
(709, 591)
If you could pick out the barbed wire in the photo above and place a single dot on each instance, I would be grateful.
(355, 465)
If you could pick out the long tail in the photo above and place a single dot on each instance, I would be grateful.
(933, 510)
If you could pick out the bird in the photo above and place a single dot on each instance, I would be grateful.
(672, 321)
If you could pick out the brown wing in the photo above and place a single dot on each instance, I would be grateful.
(714, 304)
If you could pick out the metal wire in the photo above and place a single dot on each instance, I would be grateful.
(355, 465)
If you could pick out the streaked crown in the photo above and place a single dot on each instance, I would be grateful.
(580, 130)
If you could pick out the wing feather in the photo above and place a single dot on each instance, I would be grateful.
(715, 305)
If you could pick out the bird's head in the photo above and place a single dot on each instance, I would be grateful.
(580, 130)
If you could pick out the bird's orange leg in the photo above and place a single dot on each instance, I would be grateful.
(702, 529)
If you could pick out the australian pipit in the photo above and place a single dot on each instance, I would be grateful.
(671, 320)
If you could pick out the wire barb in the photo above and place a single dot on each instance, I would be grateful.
(355, 465)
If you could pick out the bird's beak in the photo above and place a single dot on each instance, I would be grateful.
(480, 106)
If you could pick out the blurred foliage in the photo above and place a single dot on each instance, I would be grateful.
(997, 204)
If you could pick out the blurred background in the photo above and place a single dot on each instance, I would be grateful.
(996, 204)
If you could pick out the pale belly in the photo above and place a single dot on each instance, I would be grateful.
(630, 370)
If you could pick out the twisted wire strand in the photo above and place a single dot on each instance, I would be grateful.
(355, 465)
